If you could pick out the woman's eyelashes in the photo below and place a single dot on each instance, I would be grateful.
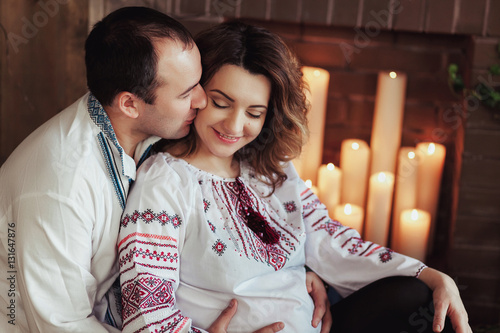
(220, 105)
(254, 115)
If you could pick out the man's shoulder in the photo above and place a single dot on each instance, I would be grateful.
(70, 126)
(64, 146)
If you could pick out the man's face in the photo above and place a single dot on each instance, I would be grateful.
(178, 95)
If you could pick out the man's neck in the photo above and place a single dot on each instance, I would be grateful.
(124, 131)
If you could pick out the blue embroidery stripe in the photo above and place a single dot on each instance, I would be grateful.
(101, 119)
(113, 172)
(144, 156)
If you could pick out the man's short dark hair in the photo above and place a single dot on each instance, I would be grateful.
(120, 53)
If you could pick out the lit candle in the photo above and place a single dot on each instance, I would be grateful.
(312, 152)
(350, 216)
(378, 211)
(387, 121)
(405, 190)
(329, 177)
(414, 233)
(429, 173)
(355, 163)
(311, 186)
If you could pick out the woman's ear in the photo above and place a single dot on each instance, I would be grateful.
(129, 104)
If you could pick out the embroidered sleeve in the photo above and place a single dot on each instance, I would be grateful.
(151, 233)
(340, 256)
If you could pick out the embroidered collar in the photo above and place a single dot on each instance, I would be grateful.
(101, 119)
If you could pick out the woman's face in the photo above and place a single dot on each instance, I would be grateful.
(235, 112)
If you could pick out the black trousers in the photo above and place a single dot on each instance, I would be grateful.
(396, 304)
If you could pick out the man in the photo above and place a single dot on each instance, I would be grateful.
(64, 188)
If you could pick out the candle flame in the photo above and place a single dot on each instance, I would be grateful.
(317, 73)
(431, 149)
(381, 177)
(414, 215)
(309, 183)
(348, 209)
(393, 75)
(355, 145)
(411, 155)
(330, 166)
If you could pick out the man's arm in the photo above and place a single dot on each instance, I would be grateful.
(54, 253)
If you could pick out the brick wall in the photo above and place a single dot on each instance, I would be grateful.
(475, 252)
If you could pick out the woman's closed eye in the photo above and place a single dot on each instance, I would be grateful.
(219, 105)
(255, 115)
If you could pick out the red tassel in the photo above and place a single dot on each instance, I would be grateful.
(255, 221)
(262, 229)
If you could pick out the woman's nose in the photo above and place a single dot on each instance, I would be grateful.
(234, 123)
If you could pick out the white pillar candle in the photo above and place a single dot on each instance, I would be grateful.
(405, 190)
(387, 121)
(355, 164)
(378, 211)
(329, 177)
(431, 158)
(350, 216)
(312, 152)
(414, 233)
(311, 186)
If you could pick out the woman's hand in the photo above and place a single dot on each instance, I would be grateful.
(447, 301)
(222, 322)
(317, 290)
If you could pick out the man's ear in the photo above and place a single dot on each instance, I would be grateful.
(129, 104)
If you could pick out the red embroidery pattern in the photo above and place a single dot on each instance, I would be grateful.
(386, 256)
(148, 216)
(355, 246)
(211, 226)
(330, 226)
(290, 206)
(148, 254)
(163, 254)
(146, 292)
(311, 204)
(219, 247)
(206, 205)
(252, 246)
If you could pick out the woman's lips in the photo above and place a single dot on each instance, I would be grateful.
(226, 138)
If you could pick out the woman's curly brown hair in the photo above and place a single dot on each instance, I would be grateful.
(260, 51)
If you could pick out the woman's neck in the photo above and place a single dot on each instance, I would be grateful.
(226, 167)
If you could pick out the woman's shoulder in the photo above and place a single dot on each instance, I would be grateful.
(163, 166)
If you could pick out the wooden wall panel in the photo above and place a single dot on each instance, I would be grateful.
(42, 62)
